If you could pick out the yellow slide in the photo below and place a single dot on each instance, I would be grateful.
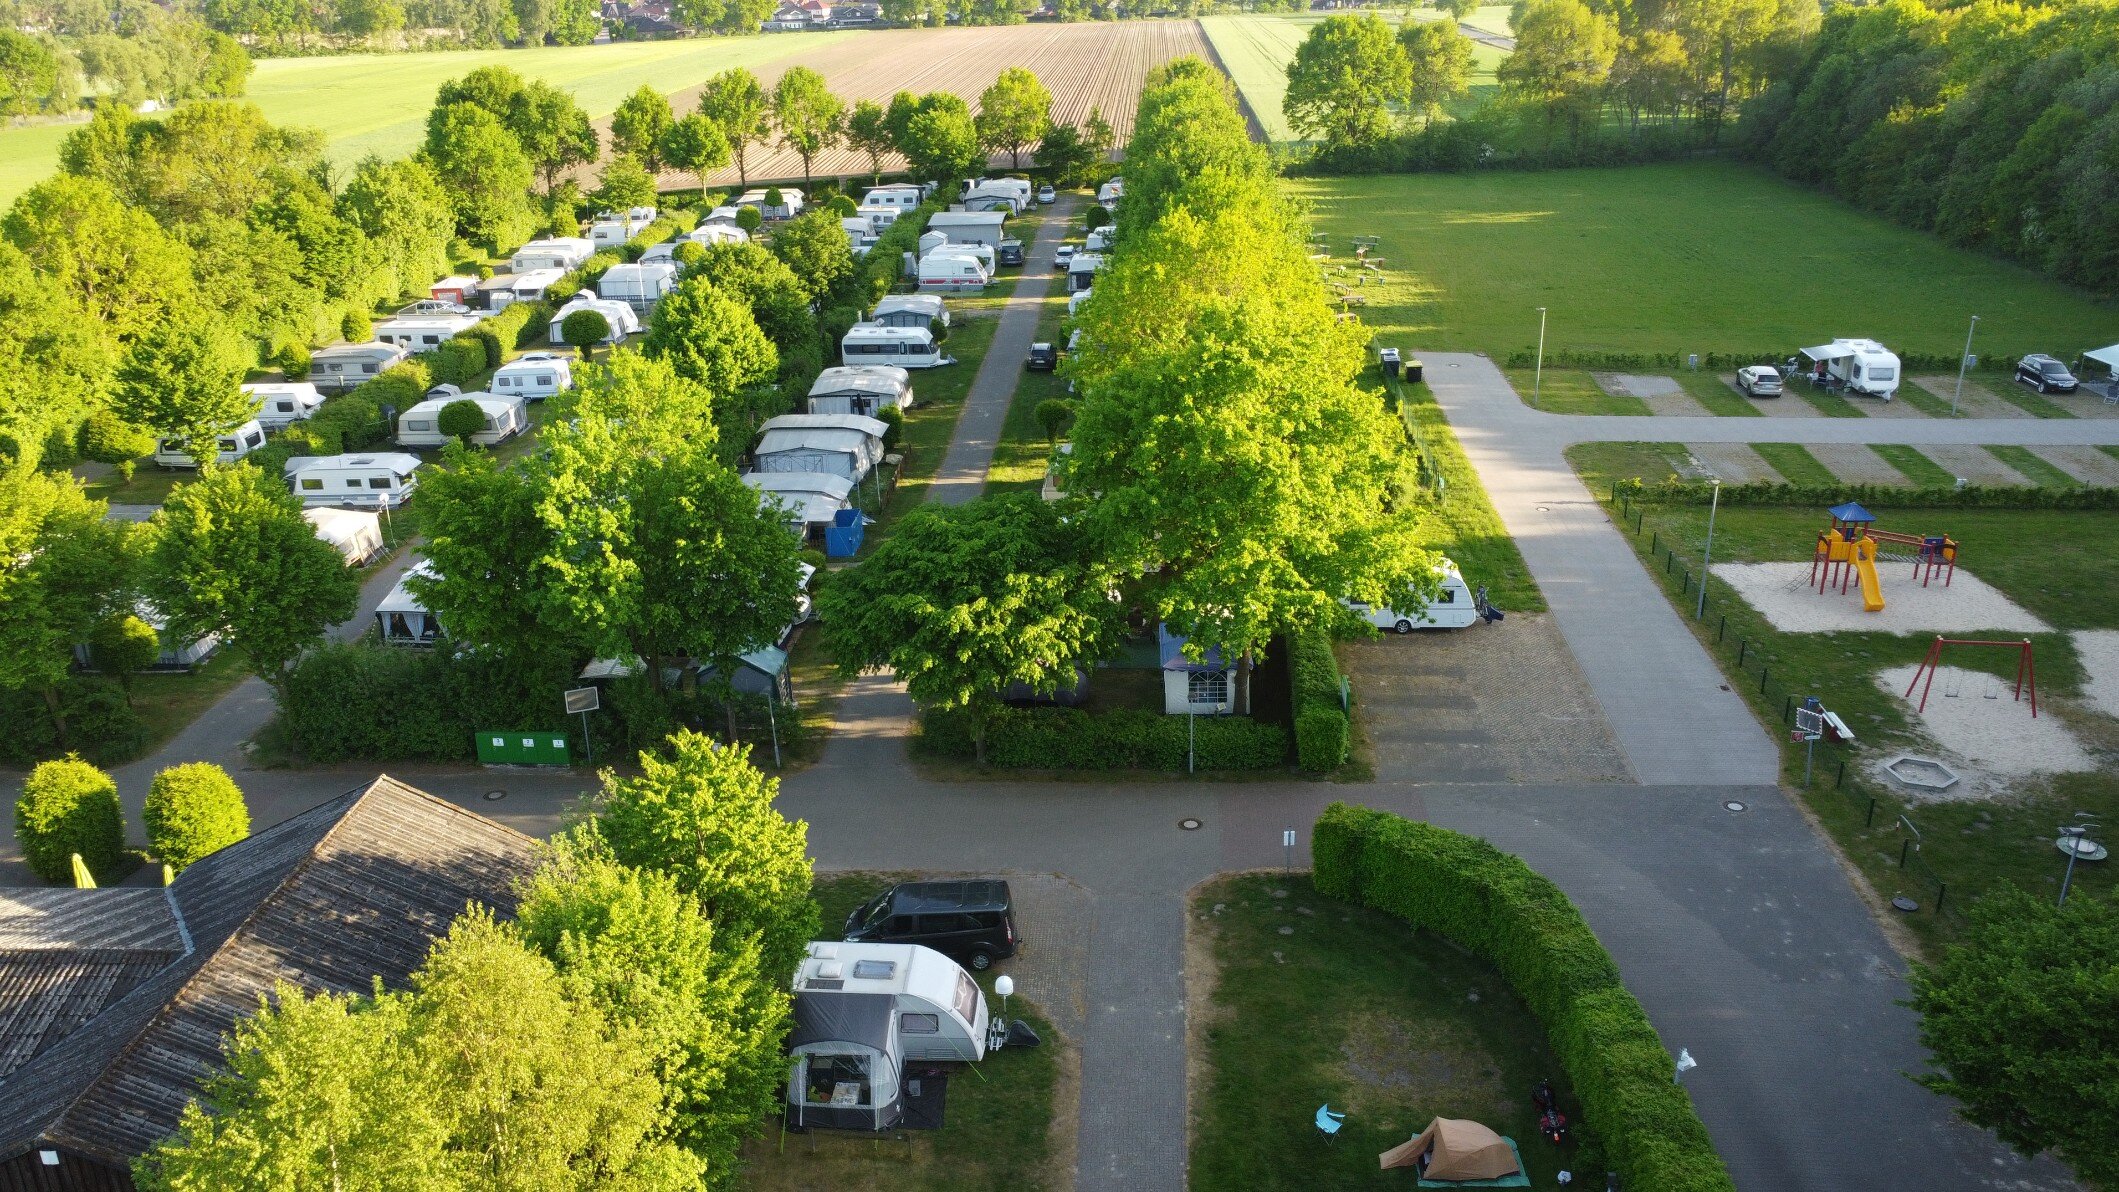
(1872, 588)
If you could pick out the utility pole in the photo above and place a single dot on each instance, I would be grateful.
(1707, 556)
(1537, 380)
(1963, 362)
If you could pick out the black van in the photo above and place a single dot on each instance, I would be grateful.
(971, 921)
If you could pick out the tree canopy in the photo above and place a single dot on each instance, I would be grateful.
(1014, 113)
(639, 125)
(1345, 74)
(736, 103)
(811, 119)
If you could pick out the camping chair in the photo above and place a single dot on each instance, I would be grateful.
(1328, 1123)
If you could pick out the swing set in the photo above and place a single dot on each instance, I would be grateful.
(2026, 671)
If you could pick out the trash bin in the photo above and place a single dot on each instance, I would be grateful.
(1390, 361)
(1413, 371)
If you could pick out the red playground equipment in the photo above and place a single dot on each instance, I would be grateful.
(2026, 670)
(1849, 550)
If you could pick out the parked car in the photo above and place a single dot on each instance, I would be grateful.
(2045, 374)
(1759, 380)
(1061, 255)
(1043, 358)
(1046, 195)
(1011, 252)
(972, 921)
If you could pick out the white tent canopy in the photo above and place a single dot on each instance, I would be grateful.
(2108, 357)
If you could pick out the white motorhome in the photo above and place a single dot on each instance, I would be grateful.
(340, 367)
(810, 499)
(843, 445)
(1451, 608)
(879, 215)
(280, 404)
(401, 620)
(901, 196)
(422, 332)
(512, 288)
(620, 316)
(860, 390)
(790, 201)
(905, 347)
(717, 233)
(1081, 271)
(943, 272)
(420, 426)
(534, 376)
(611, 229)
(369, 480)
(862, 1012)
(910, 310)
(559, 252)
(234, 445)
(356, 533)
(1860, 366)
(640, 285)
(970, 227)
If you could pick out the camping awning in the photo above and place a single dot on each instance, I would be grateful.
(2108, 357)
(862, 1018)
(1824, 352)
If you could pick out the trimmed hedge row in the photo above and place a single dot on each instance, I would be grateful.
(1125, 739)
(1320, 716)
(1879, 496)
(877, 272)
(1717, 361)
(1489, 902)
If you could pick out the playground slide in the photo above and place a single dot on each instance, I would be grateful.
(1872, 588)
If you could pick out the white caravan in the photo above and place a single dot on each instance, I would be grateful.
(862, 1012)
(612, 229)
(422, 332)
(401, 620)
(944, 272)
(640, 285)
(420, 426)
(280, 404)
(863, 389)
(234, 445)
(1860, 366)
(905, 347)
(1451, 608)
(534, 376)
(340, 367)
(621, 317)
(558, 252)
(356, 533)
(369, 480)
(522, 287)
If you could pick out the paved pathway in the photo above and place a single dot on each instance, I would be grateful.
(978, 428)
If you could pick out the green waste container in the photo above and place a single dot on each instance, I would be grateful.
(514, 747)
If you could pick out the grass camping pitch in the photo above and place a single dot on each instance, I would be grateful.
(1690, 257)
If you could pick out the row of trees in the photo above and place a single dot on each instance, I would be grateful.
(623, 1032)
(1227, 477)
(122, 54)
(281, 27)
(1997, 128)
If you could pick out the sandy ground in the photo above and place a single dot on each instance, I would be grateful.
(1975, 465)
(1978, 401)
(1781, 592)
(1856, 464)
(1988, 741)
(2099, 651)
(2086, 464)
(1661, 394)
(1897, 407)
(1732, 463)
(2087, 402)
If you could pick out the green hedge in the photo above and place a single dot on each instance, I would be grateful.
(1492, 904)
(1314, 682)
(1877, 496)
(365, 702)
(519, 324)
(1320, 738)
(583, 278)
(667, 226)
(1912, 362)
(1126, 739)
(456, 361)
(69, 807)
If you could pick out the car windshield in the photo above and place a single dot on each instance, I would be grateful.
(2053, 368)
(875, 911)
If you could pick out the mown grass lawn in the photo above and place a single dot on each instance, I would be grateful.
(1571, 391)
(2059, 565)
(1688, 257)
(1462, 522)
(1320, 1002)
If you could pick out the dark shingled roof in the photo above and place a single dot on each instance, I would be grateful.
(329, 900)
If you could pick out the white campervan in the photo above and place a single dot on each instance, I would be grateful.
(905, 347)
(420, 426)
(943, 272)
(881, 215)
(982, 253)
(900, 196)
(234, 445)
(422, 332)
(534, 376)
(1452, 607)
(371, 480)
(1860, 366)
(1081, 271)
(280, 404)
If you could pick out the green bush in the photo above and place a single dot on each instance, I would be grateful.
(667, 226)
(457, 361)
(351, 421)
(748, 219)
(1320, 738)
(518, 325)
(363, 702)
(109, 439)
(893, 420)
(67, 807)
(356, 327)
(1492, 904)
(193, 810)
(1321, 730)
(293, 360)
(461, 419)
(490, 345)
(100, 723)
(1875, 496)
(123, 645)
(1125, 739)
(1094, 218)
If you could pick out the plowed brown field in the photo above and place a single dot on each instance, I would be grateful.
(1083, 65)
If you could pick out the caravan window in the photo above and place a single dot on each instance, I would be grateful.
(920, 1024)
(419, 425)
(1882, 373)
(354, 483)
(378, 482)
(1208, 687)
(367, 367)
(966, 1002)
(312, 486)
(1449, 596)
(284, 406)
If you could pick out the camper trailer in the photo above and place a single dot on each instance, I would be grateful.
(371, 480)
(1100, 239)
(171, 656)
(844, 445)
(244, 439)
(1081, 271)
(901, 196)
(717, 233)
(943, 272)
(280, 404)
(422, 332)
(420, 426)
(987, 197)
(790, 201)
(905, 347)
(1108, 195)
(862, 1013)
(810, 499)
(340, 367)
(357, 534)
(560, 252)
(969, 227)
(910, 310)
(985, 255)
(879, 215)
(860, 390)
(621, 317)
(611, 229)
(860, 233)
(1860, 366)
(1451, 608)
(1075, 300)
(401, 620)
(521, 287)
(534, 376)
(640, 285)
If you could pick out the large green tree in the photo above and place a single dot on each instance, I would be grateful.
(405, 211)
(696, 145)
(708, 336)
(231, 554)
(1563, 55)
(113, 259)
(810, 118)
(1014, 113)
(484, 171)
(941, 140)
(817, 251)
(2017, 1014)
(638, 126)
(1440, 58)
(182, 379)
(71, 571)
(736, 102)
(1346, 74)
(555, 132)
(961, 602)
(868, 130)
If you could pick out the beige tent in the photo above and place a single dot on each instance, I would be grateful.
(1461, 1151)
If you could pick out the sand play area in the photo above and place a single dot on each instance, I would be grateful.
(1983, 732)
(1781, 592)
(2099, 651)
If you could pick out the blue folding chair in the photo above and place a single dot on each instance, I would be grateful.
(1328, 1123)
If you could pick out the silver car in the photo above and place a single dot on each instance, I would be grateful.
(1759, 380)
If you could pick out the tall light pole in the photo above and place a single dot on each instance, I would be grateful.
(1707, 556)
(2073, 834)
(1537, 379)
(1963, 362)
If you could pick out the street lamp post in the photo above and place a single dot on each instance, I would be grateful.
(1707, 556)
(2074, 834)
(1537, 379)
(1963, 362)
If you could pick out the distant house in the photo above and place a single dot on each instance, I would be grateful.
(788, 18)
(855, 16)
(118, 998)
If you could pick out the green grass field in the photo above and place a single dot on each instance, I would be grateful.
(377, 103)
(1256, 50)
(1690, 257)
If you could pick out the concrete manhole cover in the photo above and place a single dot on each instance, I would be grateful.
(1732, 805)
(1921, 773)
(1189, 825)
(495, 796)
